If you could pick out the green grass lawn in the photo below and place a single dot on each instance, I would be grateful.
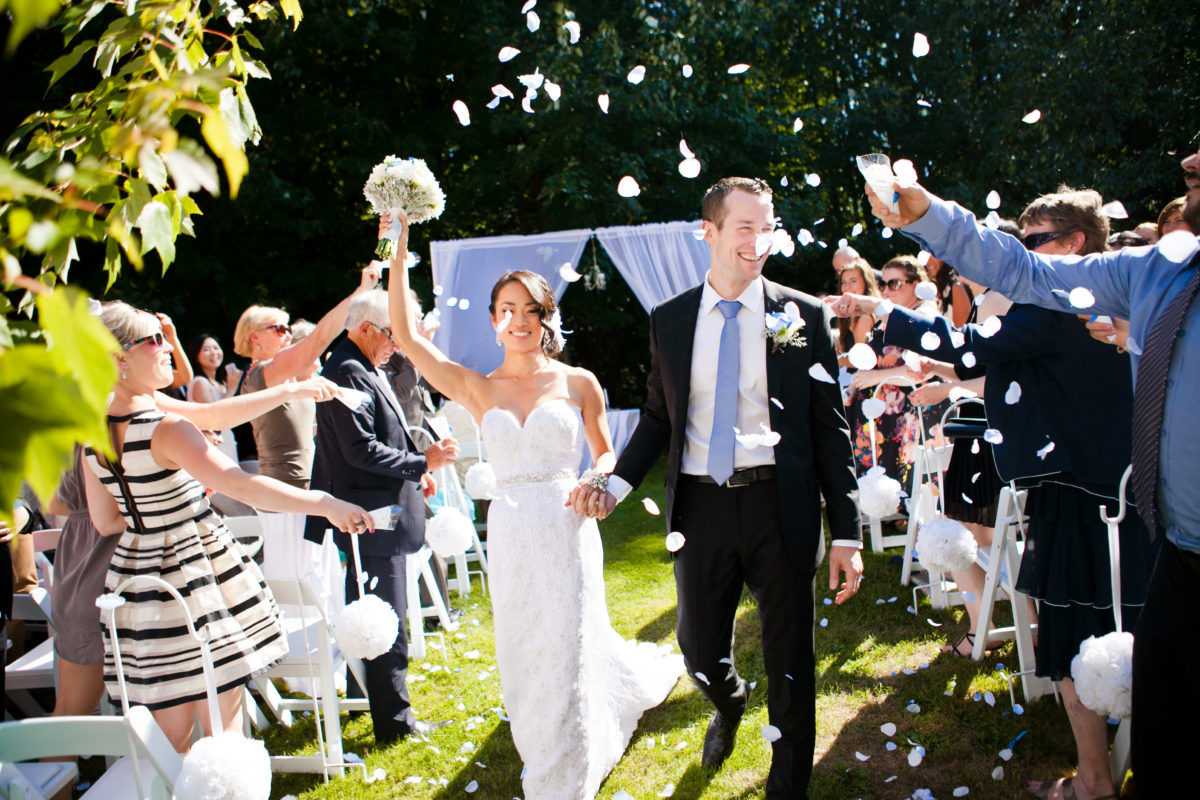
(862, 656)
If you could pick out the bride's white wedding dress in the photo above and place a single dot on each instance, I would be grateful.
(573, 688)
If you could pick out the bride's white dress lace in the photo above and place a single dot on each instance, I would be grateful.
(573, 688)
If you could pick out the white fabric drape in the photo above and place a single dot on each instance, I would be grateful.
(466, 269)
(657, 260)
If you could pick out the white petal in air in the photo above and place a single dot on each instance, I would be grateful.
(603, 101)
(553, 91)
(1045, 451)
(906, 173)
(989, 327)
(636, 75)
(527, 103)
(924, 104)
(771, 733)
(1114, 209)
(504, 322)
(529, 4)
(1032, 117)
(500, 90)
(628, 187)
(738, 69)
(920, 45)
(533, 80)
(762, 245)
(930, 340)
(700, 676)
(862, 356)
(886, 233)
(533, 21)
(687, 70)
(797, 124)
(957, 339)
(819, 373)
(650, 506)
(856, 230)
(1013, 395)
(812, 179)
(873, 408)
(675, 541)
(567, 273)
(493, 103)
(1177, 246)
(1081, 298)
(684, 150)
(926, 290)
(923, 259)
(993, 200)
(993, 436)
(508, 54)
(689, 168)
(992, 220)
(463, 113)
(782, 242)
(805, 237)
(572, 29)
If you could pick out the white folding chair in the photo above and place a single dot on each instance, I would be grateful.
(419, 569)
(147, 768)
(37, 668)
(313, 655)
(45, 541)
(248, 532)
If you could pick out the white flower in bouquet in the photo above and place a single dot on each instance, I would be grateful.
(403, 184)
(878, 494)
(367, 628)
(944, 545)
(1103, 673)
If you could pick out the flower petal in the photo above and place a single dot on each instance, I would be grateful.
(603, 101)
(1080, 297)
(508, 54)
(687, 70)
(819, 373)
(920, 47)
(675, 541)
(993, 200)
(689, 168)
(462, 112)
(738, 69)
(628, 187)
(862, 356)
(1013, 395)
(1032, 117)
(636, 75)
(567, 273)
(573, 29)
(650, 506)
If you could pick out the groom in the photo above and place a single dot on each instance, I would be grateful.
(749, 510)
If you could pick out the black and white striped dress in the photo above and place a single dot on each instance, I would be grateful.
(173, 534)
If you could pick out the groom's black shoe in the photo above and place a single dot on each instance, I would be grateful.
(718, 742)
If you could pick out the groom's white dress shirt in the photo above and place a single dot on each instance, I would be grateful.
(753, 414)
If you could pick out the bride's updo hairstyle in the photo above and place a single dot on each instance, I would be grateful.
(125, 322)
(543, 295)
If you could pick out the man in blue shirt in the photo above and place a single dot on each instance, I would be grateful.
(1138, 284)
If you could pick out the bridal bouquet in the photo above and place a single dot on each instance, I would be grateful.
(402, 184)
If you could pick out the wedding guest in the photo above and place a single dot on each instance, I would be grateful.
(857, 277)
(1172, 218)
(211, 384)
(1155, 288)
(1148, 231)
(151, 496)
(898, 430)
(843, 257)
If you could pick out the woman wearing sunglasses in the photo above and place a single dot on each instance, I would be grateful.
(152, 496)
(1063, 404)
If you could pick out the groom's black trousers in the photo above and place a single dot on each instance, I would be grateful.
(734, 537)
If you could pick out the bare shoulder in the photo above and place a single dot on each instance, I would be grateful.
(174, 429)
(580, 382)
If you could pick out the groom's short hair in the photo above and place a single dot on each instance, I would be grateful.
(713, 208)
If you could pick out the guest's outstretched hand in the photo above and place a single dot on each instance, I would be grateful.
(848, 561)
(912, 200)
(318, 389)
(853, 305)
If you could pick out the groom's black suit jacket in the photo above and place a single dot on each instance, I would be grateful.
(814, 455)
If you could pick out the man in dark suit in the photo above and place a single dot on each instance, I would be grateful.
(366, 454)
(748, 505)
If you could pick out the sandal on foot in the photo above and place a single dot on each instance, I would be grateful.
(956, 648)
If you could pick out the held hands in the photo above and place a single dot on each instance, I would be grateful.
(319, 389)
(441, 454)
(847, 560)
(930, 394)
(346, 517)
(588, 501)
(913, 202)
(853, 305)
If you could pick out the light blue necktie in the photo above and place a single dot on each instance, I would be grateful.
(721, 441)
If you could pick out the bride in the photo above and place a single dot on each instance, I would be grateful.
(573, 688)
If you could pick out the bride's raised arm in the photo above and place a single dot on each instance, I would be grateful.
(461, 384)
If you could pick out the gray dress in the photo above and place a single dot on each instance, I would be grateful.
(80, 564)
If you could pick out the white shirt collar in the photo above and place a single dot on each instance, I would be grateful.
(752, 298)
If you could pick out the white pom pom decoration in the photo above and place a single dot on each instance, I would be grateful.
(481, 481)
(449, 533)
(1103, 673)
(878, 495)
(227, 766)
(944, 545)
(367, 628)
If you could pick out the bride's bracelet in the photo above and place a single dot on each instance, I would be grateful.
(596, 480)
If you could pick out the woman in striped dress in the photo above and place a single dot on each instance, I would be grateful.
(153, 496)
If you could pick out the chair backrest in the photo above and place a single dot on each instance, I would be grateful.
(33, 605)
(248, 531)
(46, 539)
(136, 735)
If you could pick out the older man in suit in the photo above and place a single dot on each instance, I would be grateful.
(365, 455)
(748, 501)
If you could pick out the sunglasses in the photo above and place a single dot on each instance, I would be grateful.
(1035, 240)
(894, 284)
(386, 331)
(155, 339)
(279, 328)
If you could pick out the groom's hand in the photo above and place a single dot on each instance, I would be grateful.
(591, 502)
(847, 560)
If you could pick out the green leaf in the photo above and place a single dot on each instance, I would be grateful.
(64, 64)
(14, 185)
(216, 133)
(79, 344)
(158, 231)
(28, 15)
(151, 167)
(291, 10)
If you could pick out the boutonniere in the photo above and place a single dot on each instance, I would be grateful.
(783, 328)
